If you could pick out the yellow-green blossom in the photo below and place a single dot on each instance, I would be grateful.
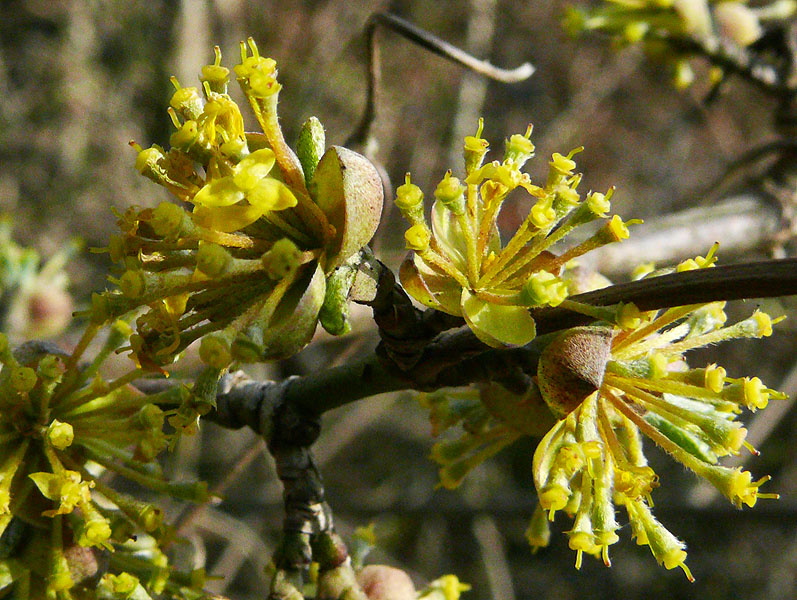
(447, 587)
(245, 267)
(655, 23)
(459, 264)
(610, 386)
(55, 418)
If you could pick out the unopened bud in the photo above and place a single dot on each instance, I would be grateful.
(283, 258)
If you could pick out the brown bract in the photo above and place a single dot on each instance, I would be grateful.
(348, 190)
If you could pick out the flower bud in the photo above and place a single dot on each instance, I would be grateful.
(519, 149)
(187, 102)
(186, 136)
(475, 149)
(60, 435)
(451, 193)
(543, 289)
(212, 259)
(562, 165)
(214, 351)
(409, 199)
(215, 75)
(23, 379)
(283, 258)
(538, 533)
(133, 284)
(418, 237)
(447, 587)
(542, 213)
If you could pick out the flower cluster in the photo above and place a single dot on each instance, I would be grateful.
(652, 22)
(608, 386)
(459, 265)
(242, 260)
(62, 425)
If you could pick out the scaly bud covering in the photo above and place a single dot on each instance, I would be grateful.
(460, 266)
(261, 225)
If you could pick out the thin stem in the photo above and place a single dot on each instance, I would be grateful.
(736, 60)
(435, 45)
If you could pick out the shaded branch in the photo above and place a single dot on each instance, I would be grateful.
(741, 61)
(458, 358)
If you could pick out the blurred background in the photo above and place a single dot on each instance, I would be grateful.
(80, 79)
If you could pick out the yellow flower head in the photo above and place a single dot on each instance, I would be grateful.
(244, 268)
(612, 385)
(600, 390)
(460, 265)
(51, 429)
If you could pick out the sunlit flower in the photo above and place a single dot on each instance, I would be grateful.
(609, 386)
(459, 265)
(61, 425)
(242, 261)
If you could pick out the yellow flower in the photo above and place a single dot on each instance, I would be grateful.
(610, 386)
(460, 265)
(246, 269)
(66, 488)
